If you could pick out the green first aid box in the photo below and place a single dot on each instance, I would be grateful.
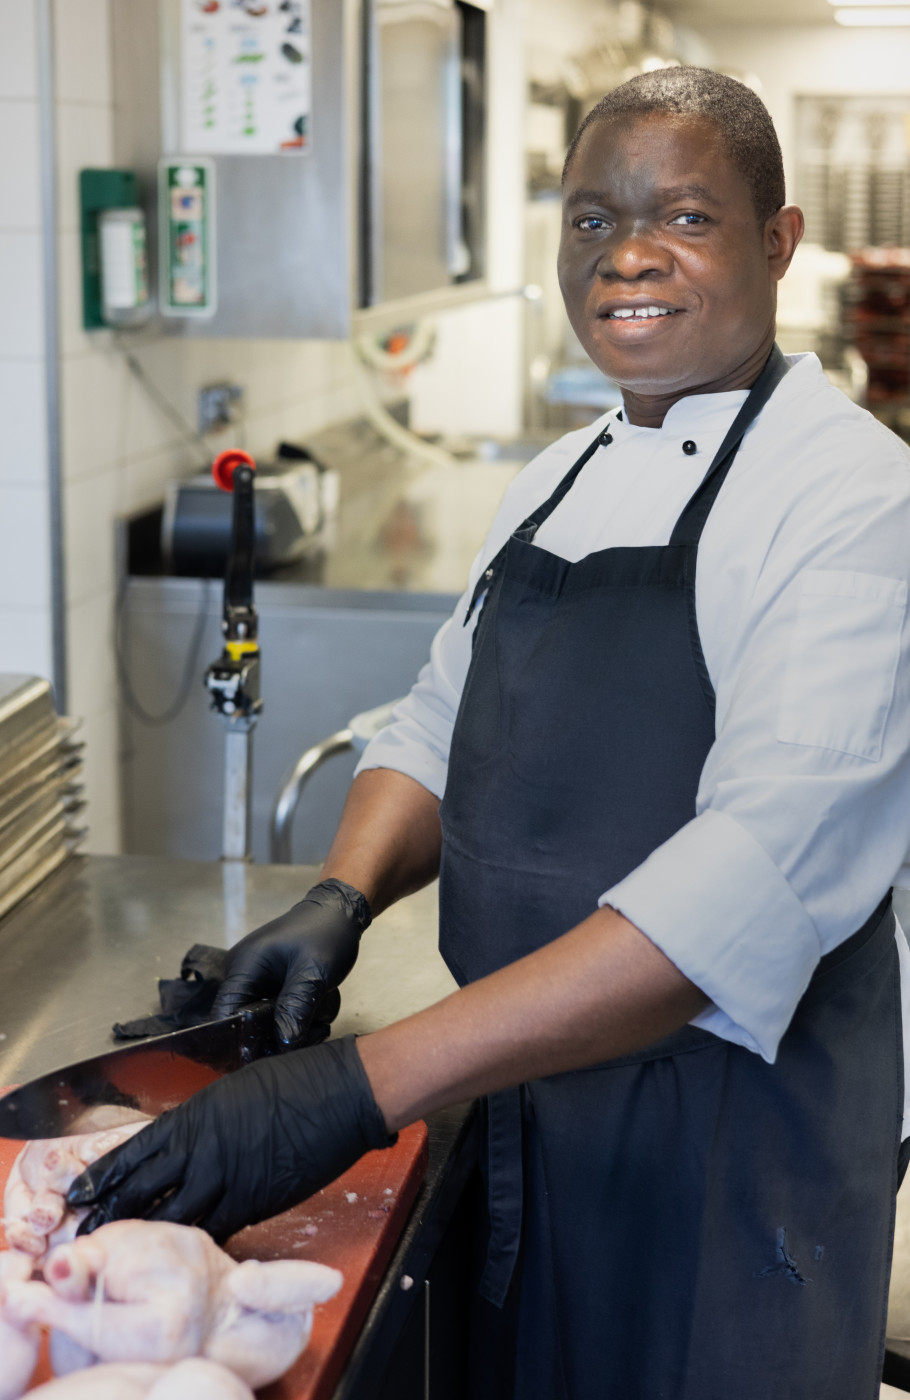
(186, 257)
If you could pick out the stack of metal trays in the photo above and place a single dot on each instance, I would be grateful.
(41, 793)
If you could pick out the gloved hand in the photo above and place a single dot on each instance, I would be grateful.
(244, 1148)
(299, 959)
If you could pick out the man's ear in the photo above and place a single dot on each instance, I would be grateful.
(783, 232)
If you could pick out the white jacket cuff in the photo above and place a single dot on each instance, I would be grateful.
(716, 904)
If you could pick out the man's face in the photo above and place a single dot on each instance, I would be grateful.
(657, 222)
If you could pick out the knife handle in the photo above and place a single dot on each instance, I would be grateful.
(257, 1032)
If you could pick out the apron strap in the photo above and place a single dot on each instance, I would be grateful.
(532, 523)
(505, 1194)
(688, 528)
(528, 529)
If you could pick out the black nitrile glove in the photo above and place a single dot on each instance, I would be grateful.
(299, 959)
(244, 1148)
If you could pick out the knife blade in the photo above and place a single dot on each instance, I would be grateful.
(149, 1076)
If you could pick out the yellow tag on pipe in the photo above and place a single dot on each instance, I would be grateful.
(237, 649)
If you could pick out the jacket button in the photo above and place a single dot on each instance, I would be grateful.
(606, 437)
(689, 447)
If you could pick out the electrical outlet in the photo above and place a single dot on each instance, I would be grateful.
(219, 406)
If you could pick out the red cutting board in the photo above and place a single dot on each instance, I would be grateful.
(353, 1225)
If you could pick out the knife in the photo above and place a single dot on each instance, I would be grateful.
(150, 1076)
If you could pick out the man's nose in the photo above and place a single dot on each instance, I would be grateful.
(633, 252)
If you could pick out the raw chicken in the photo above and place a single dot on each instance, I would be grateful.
(18, 1358)
(67, 1355)
(269, 1315)
(189, 1380)
(18, 1344)
(199, 1379)
(150, 1291)
(35, 1215)
(132, 1381)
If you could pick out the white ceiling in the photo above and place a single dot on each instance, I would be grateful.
(702, 13)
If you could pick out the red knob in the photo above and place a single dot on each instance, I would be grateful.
(226, 463)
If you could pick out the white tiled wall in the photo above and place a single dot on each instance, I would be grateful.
(22, 458)
(118, 448)
(20, 189)
(90, 383)
(82, 30)
(18, 53)
(21, 335)
(25, 629)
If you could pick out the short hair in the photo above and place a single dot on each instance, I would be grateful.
(738, 114)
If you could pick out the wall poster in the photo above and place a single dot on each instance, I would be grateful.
(245, 79)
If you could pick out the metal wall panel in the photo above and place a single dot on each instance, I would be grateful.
(326, 655)
(304, 239)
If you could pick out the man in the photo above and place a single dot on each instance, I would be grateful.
(675, 797)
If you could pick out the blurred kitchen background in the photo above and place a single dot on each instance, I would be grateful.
(325, 231)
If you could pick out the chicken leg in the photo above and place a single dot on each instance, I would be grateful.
(35, 1214)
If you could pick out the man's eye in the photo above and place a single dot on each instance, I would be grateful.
(591, 223)
(689, 220)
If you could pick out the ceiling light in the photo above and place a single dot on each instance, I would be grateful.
(874, 16)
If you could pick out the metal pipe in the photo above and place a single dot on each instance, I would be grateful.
(286, 802)
(238, 787)
(47, 116)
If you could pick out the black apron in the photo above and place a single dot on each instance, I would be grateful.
(688, 1222)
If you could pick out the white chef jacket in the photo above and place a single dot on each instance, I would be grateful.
(803, 809)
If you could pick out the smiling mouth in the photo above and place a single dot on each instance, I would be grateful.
(639, 313)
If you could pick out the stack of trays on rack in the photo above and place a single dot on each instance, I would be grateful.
(41, 791)
(877, 320)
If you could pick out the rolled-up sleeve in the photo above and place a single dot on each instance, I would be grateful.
(713, 900)
(803, 809)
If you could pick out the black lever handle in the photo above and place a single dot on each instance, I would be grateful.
(234, 471)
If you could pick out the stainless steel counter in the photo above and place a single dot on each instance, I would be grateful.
(406, 530)
(86, 950)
